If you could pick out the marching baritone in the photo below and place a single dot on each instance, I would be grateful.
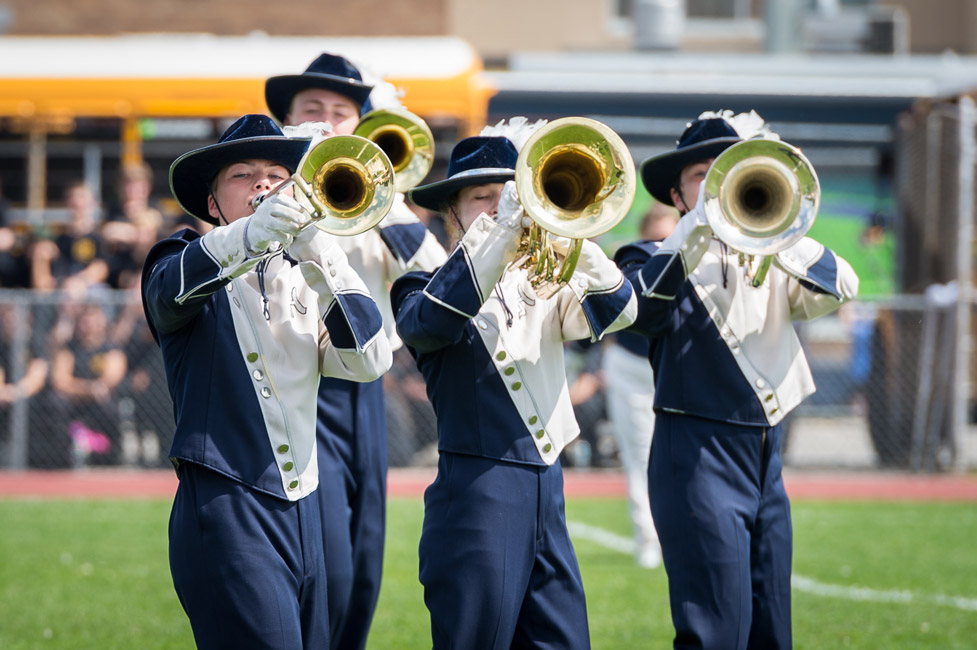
(728, 367)
(352, 428)
(246, 331)
(496, 560)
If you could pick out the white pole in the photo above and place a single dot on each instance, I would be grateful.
(965, 239)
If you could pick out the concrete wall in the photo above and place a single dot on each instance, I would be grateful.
(502, 26)
(938, 25)
(494, 28)
(228, 17)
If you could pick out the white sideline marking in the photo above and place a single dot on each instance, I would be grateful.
(854, 592)
(616, 542)
(602, 537)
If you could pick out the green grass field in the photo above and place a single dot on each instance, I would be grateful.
(93, 574)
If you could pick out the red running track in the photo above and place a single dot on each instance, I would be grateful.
(122, 483)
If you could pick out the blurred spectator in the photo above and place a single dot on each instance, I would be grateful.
(659, 222)
(133, 225)
(15, 268)
(412, 435)
(4, 207)
(23, 373)
(134, 201)
(630, 390)
(32, 364)
(14, 241)
(433, 222)
(85, 375)
(585, 382)
(75, 259)
(145, 408)
(860, 319)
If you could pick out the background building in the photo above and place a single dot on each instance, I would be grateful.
(873, 92)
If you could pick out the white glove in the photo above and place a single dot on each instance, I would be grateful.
(510, 212)
(799, 257)
(399, 213)
(278, 219)
(560, 245)
(315, 245)
(594, 270)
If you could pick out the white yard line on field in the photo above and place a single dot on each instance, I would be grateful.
(616, 542)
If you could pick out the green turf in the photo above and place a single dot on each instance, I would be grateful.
(93, 574)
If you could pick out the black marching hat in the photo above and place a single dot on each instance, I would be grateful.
(702, 139)
(329, 72)
(478, 160)
(252, 137)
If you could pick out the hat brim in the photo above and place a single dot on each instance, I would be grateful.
(658, 173)
(192, 173)
(435, 196)
(280, 90)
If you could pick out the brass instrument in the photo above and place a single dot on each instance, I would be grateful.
(406, 140)
(760, 197)
(575, 178)
(346, 182)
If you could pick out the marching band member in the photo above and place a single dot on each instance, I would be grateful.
(352, 427)
(245, 333)
(496, 560)
(728, 367)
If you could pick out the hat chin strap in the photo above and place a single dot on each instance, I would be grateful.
(685, 204)
(454, 215)
(222, 221)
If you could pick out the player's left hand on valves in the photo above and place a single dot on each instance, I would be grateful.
(560, 245)
(510, 212)
(798, 257)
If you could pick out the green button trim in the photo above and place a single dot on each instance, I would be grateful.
(539, 434)
(282, 449)
(547, 447)
(252, 357)
(508, 371)
(533, 419)
(293, 485)
(517, 385)
(288, 466)
(500, 356)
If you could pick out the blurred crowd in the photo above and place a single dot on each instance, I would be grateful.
(79, 370)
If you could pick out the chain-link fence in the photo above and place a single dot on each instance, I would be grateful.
(84, 385)
(885, 373)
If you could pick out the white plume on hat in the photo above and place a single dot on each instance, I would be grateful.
(384, 95)
(747, 125)
(316, 131)
(518, 130)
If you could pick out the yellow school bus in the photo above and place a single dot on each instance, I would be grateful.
(76, 108)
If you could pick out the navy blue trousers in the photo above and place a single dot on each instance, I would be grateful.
(246, 566)
(723, 518)
(496, 561)
(352, 454)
